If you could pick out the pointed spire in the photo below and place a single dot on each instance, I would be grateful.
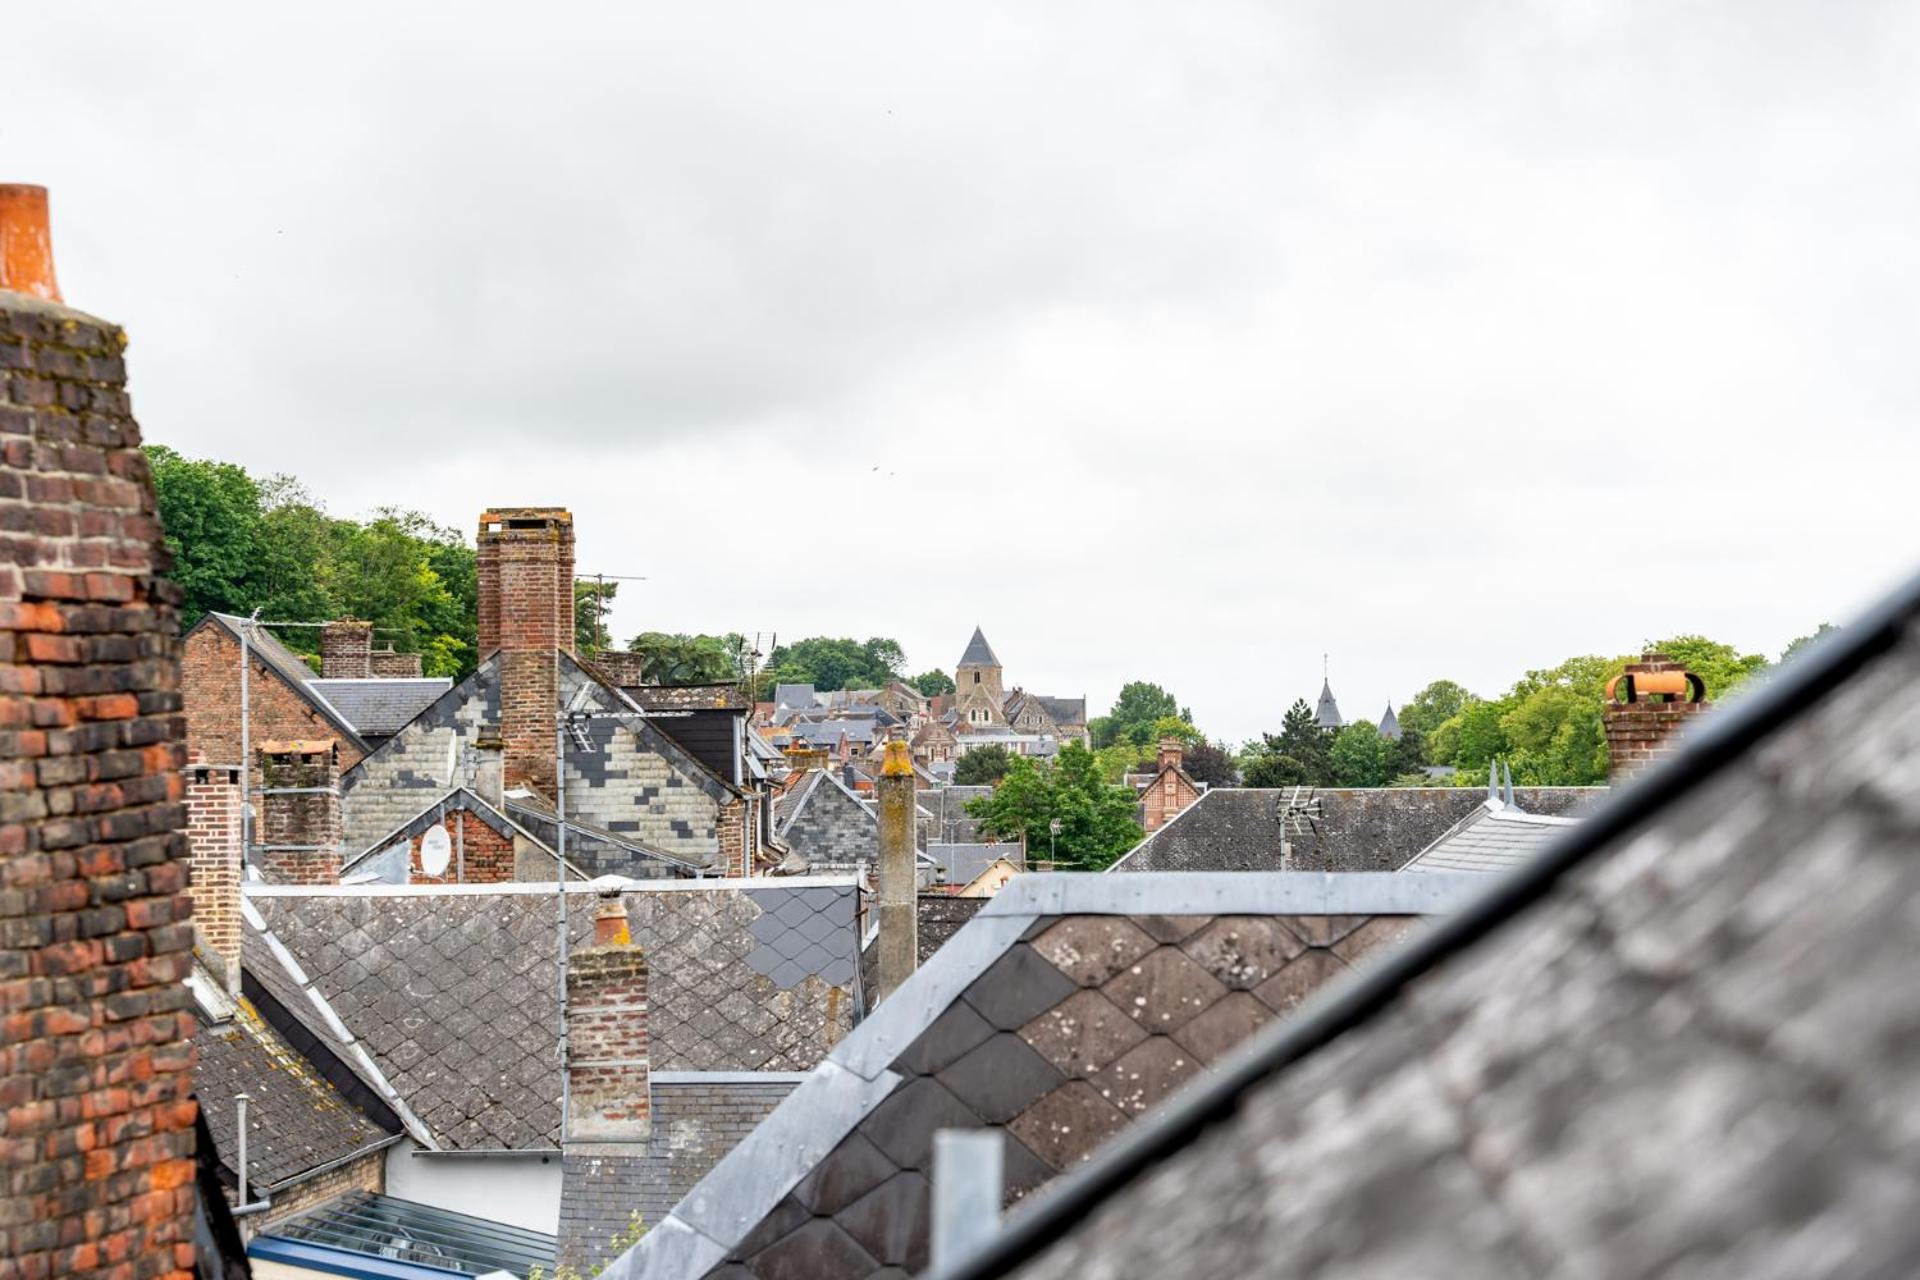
(1327, 715)
(1390, 725)
(979, 653)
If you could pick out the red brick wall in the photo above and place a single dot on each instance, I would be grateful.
(488, 855)
(213, 835)
(736, 837)
(300, 816)
(526, 613)
(346, 649)
(607, 1052)
(96, 1033)
(1165, 797)
(388, 665)
(210, 686)
(1644, 731)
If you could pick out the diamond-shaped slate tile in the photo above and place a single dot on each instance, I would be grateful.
(1242, 951)
(816, 1249)
(1091, 949)
(1164, 990)
(1300, 978)
(1000, 1078)
(1324, 931)
(1145, 1074)
(1170, 929)
(1018, 987)
(1380, 931)
(891, 1222)
(1082, 1033)
(1224, 1027)
(903, 1125)
(848, 1172)
(1066, 1125)
(952, 1034)
(1025, 1172)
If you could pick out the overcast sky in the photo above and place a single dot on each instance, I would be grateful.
(1182, 342)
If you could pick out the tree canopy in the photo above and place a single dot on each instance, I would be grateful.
(1139, 708)
(982, 766)
(242, 543)
(932, 684)
(827, 663)
(675, 658)
(1096, 817)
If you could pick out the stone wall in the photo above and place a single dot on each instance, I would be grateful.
(96, 1036)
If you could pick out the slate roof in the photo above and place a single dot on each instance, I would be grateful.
(697, 1117)
(1684, 1039)
(1390, 725)
(380, 708)
(947, 807)
(1064, 711)
(1327, 714)
(289, 666)
(1493, 837)
(794, 695)
(451, 989)
(1362, 829)
(962, 862)
(941, 916)
(297, 1122)
(1068, 1006)
(979, 653)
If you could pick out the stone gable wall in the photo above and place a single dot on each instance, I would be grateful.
(96, 1033)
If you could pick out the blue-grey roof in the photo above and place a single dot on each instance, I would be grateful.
(380, 708)
(1390, 725)
(961, 863)
(1327, 715)
(1494, 837)
(979, 653)
(793, 695)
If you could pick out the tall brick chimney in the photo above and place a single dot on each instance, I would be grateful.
(346, 650)
(213, 836)
(1171, 753)
(525, 565)
(300, 828)
(1647, 706)
(608, 1077)
(96, 1046)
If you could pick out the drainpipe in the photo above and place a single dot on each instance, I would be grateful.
(241, 1206)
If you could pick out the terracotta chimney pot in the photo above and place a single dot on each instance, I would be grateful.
(26, 242)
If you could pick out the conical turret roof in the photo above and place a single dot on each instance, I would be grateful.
(1390, 725)
(1327, 715)
(979, 653)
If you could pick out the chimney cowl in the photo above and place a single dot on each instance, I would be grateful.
(26, 242)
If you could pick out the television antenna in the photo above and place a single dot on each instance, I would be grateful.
(1297, 813)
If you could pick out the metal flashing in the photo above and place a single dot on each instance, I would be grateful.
(1233, 893)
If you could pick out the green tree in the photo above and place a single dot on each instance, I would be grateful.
(1360, 757)
(212, 515)
(982, 766)
(592, 599)
(1721, 666)
(932, 684)
(679, 659)
(1096, 817)
(1432, 707)
(1299, 755)
(1799, 645)
(827, 663)
(1139, 706)
(1121, 759)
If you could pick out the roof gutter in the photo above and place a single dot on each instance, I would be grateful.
(1713, 746)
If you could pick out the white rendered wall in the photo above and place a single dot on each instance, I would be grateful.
(521, 1191)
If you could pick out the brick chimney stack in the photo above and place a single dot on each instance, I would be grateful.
(346, 650)
(525, 565)
(388, 665)
(1171, 753)
(1647, 706)
(608, 1077)
(300, 829)
(213, 837)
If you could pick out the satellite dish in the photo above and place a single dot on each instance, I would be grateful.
(436, 850)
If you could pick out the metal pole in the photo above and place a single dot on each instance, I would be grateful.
(246, 757)
(560, 889)
(240, 1101)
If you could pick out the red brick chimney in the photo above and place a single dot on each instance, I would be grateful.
(1647, 706)
(1172, 752)
(300, 832)
(608, 1077)
(346, 649)
(525, 565)
(213, 837)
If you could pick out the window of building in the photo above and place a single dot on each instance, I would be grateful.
(976, 677)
